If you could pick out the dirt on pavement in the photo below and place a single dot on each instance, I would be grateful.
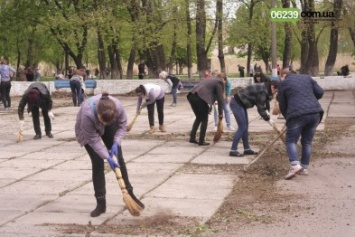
(262, 203)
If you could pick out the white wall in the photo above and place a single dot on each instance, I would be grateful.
(118, 87)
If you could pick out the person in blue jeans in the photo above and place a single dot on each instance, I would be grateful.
(253, 95)
(76, 83)
(174, 84)
(226, 110)
(298, 97)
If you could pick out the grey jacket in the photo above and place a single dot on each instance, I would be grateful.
(210, 90)
(88, 129)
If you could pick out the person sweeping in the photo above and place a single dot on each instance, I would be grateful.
(151, 94)
(201, 99)
(100, 127)
(37, 97)
(253, 95)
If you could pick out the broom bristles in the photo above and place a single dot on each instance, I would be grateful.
(19, 137)
(130, 203)
(217, 136)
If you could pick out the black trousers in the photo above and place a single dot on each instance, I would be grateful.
(98, 165)
(160, 110)
(5, 94)
(36, 122)
(201, 111)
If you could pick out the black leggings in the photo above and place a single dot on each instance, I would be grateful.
(201, 111)
(98, 165)
(5, 93)
(160, 109)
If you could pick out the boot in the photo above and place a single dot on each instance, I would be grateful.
(100, 208)
(152, 130)
(162, 128)
(38, 136)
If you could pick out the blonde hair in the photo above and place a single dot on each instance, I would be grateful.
(163, 75)
(106, 108)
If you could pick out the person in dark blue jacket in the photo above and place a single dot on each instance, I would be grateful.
(298, 97)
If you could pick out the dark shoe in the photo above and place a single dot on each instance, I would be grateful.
(193, 141)
(38, 136)
(250, 152)
(50, 135)
(235, 154)
(203, 143)
(100, 208)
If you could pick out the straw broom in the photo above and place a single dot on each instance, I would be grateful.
(131, 205)
(217, 136)
(19, 136)
(130, 125)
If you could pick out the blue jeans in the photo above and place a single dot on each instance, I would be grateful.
(241, 116)
(226, 114)
(303, 126)
(76, 92)
(174, 93)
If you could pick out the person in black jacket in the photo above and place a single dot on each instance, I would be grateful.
(37, 96)
(298, 97)
(253, 95)
(174, 84)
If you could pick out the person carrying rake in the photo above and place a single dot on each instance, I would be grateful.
(103, 118)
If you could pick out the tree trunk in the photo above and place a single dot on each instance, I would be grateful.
(286, 58)
(200, 38)
(219, 16)
(130, 63)
(333, 47)
(173, 48)
(188, 43)
(101, 55)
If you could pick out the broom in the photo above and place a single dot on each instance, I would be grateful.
(133, 207)
(261, 153)
(19, 136)
(130, 125)
(20, 133)
(217, 136)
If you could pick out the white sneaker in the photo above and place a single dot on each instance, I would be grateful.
(304, 172)
(231, 128)
(294, 170)
(215, 128)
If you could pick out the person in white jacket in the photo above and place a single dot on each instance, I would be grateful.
(151, 94)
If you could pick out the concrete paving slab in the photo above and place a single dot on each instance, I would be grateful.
(11, 154)
(53, 187)
(29, 163)
(17, 173)
(58, 175)
(193, 186)
(46, 156)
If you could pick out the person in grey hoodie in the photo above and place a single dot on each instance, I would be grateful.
(102, 118)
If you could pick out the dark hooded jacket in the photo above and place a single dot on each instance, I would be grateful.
(45, 101)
